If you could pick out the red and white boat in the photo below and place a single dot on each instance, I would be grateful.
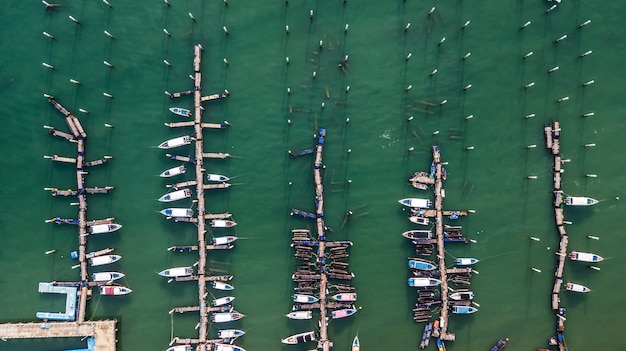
(222, 223)
(114, 290)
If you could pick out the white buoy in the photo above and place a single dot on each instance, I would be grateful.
(108, 95)
(107, 64)
(555, 68)
(584, 23)
(441, 41)
(532, 146)
(467, 55)
(534, 238)
(586, 53)
(107, 3)
(561, 38)
(465, 25)
(525, 25)
(433, 72)
(408, 25)
(467, 87)
(108, 34)
(166, 32)
(168, 93)
(564, 98)
(469, 116)
(48, 65)
(529, 85)
(588, 114)
(588, 82)
(408, 87)
(590, 145)
(529, 54)
(74, 19)
(191, 16)
(593, 237)
(349, 151)
(536, 269)
(167, 63)
(74, 81)
(83, 110)
(443, 102)
(225, 30)
(469, 148)
(48, 35)
(530, 115)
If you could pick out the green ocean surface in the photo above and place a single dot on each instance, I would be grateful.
(367, 160)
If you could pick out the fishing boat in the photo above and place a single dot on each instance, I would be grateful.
(356, 344)
(107, 276)
(419, 220)
(223, 301)
(104, 228)
(176, 272)
(428, 330)
(344, 297)
(420, 186)
(173, 171)
(222, 286)
(462, 295)
(417, 176)
(465, 261)
(463, 309)
(224, 240)
(416, 202)
(217, 178)
(299, 338)
(343, 313)
(226, 317)
(230, 334)
(176, 142)
(585, 257)
(222, 223)
(440, 345)
(576, 288)
(176, 195)
(302, 298)
(300, 315)
(228, 347)
(580, 201)
(176, 212)
(418, 234)
(180, 111)
(102, 260)
(416, 263)
(179, 348)
(114, 290)
(423, 282)
(499, 346)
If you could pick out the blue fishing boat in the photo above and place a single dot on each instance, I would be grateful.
(302, 298)
(356, 344)
(424, 265)
(423, 282)
(180, 111)
(466, 261)
(428, 329)
(499, 346)
(440, 345)
(463, 309)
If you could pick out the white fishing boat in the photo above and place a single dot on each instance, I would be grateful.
(463, 309)
(356, 344)
(222, 223)
(576, 288)
(180, 111)
(465, 261)
(180, 348)
(114, 290)
(174, 212)
(419, 220)
(176, 142)
(299, 338)
(585, 257)
(224, 240)
(217, 178)
(102, 260)
(418, 234)
(106, 276)
(580, 201)
(226, 317)
(176, 195)
(420, 186)
(416, 202)
(230, 334)
(423, 282)
(173, 171)
(222, 286)
(223, 300)
(104, 228)
(176, 272)
(300, 315)
(228, 347)
(344, 297)
(462, 295)
(343, 313)
(302, 298)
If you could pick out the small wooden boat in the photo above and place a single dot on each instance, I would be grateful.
(104, 228)
(499, 346)
(420, 186)
(217, 178)
(419, 220)
(416, 202)
(114, 290)
(175, 212)
(230, 334)
(300, 315)
(465, 261)
(423, 282)
(428, 330)
(173, 171)
(580, 201)
(302, 298)
(102, 260)
(342, 313)
(224, 240)
(344, 297)
(299, 338)
(222, 223)
(462, 295)
(463, 309)
(222, 286)
(416, 263)
(180, 348)
(176, 272)
(577, 288)
(180, 111)
(440, 345)
(176, 195)
(106, 276)
(223, 317)
(417, 176)
(418, 234)
(356, 344)
(228, 347)
(176, 142)
(223, 301)
(585, 257)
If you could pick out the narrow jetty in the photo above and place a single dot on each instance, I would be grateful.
(553, 134)
(202, 343)
(328, 258)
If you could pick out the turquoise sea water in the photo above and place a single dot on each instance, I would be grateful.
(490, 179)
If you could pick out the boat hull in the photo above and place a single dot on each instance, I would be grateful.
(102, 260)
(423, 282)
(173, 172)
(585, 257)
(222, 286)
(222, 223)
(223, 301)
(343, 313)
(299, 338)
(114, 290)
(106, 276)
(577, 288)
(349, 297)
(300, 315)
(176, 272)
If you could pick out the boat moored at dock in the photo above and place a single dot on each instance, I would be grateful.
(226, 317)
(104, 228)
(416, 263)
(356, 344)
(180, 111)
(114, 290)
(217, 178)
(223, 301)
(230, 334)
(222, 223)
(419, 220)
(577, 288)
(176, 212)
(342, 313)
(416, 202)
(585, 257)
(418, 234)
(299, 338)
(461, 295)
(300, 315)
(302, 298)
(423, 282)
(580, 201)
(499, 346)
(463, 309)
(180, 348)
(106, 276)
(175, 195)
(222, 286)
(175, 142)
(224, 240)
(344, 297)
(105, 259)
(465, 261)
(173, 172)
(228, 347)
(176, 272)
